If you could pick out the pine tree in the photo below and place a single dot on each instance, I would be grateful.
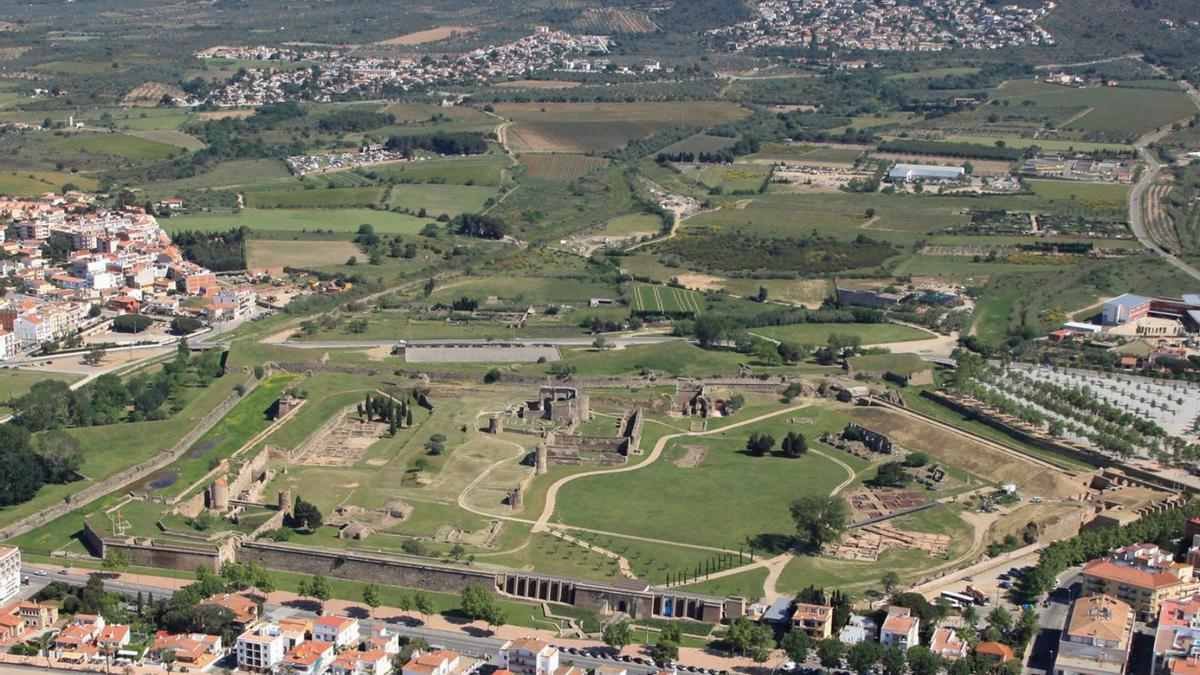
(408, 418)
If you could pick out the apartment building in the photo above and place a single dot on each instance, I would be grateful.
(1097, 637)
(1142, 576)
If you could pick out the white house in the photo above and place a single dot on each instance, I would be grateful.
(529, 657)
(340, 631)
(900, 629)
(260, 648)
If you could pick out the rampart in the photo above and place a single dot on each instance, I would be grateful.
(158, 553)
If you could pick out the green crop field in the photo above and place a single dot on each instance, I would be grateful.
(120, 145)
(665, 300)
(329, 198)
(290, 220)
(1076, 191)
(170, 137)
(438, 199)
(482, 170)
(27, 183)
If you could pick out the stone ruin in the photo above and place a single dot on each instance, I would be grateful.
(355, 522)
(690, 400)
(566, 405)
(342, 441)
(861, 441)
(866, 543)
(286, 404)
(571, 449)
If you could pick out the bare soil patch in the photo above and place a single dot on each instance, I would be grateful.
(694, 457)
(429, 35)
(150, 93)
(539, 84)
(701, 282)
(223, 114)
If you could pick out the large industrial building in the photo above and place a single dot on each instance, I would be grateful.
(909, 172)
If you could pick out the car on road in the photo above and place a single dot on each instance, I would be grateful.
(1005, 584)
(40, 573)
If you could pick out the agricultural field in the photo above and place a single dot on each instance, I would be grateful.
(178, 139)
(327, 198)
(119, 145)
(237, 174)
(483, 170)
(613, 20)
(633, 225)
(438, 199)
(737, 179)
(16, 183)
(664, 300)
(292, 220)
(699, 143)
(427, 35)
(598, 127)
(269, 253)
(561, 167)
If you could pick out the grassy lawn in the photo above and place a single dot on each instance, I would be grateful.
(304, 254)
(818, 333)
(748, 584)
(630, 225)
(121, 145)
(15, 383)
(235, 173)
(339, 220)
(665, 501)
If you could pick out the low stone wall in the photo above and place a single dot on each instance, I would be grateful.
(363, 567)
(131, 475)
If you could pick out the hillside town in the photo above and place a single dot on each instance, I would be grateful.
(76, 264)
(336, 73)
(887, 26)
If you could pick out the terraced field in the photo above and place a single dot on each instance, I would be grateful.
(652, 299)
(561, 167)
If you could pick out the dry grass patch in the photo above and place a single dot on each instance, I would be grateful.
(270, 254)
(428, 35)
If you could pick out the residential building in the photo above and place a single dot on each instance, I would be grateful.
(8, 345)
(947, 644)
(112, 638)
(242, 298)
(37, 617)
(814, 620)
(439, 662)
(994, 651)
(10, 572)
(528, 656)
(1142, 576)
(861, 628)
(900, 629)
(193, 652)
(340, 631)
(1177, 635)
(1097, 637)
(370, 662)
(261, 648)
(308, 658)
(244, 609)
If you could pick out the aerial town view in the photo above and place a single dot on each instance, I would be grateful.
(600, 337)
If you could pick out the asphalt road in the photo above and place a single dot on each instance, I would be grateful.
(482, 647)
(1138, 193)
(1052, 619)
(558, 342)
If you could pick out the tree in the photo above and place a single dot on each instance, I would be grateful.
(916, 459)
(891, 474)
(61, 455)
(794, 444)
(750, 638)
(370, 596)
(760, 444)
(863, 656)
(93, 357)
(600, 343)
(830, 651)
(423, 604)
(890, 581)
(117, 560)
(457, 552)
(1000, 619)
(893, 661)
(185, 325)
(495, 616)
(921, 661)
(618, 634)
(820, 519)
(131, 323)
(762, 294)
(664, 651)
(476, 601)
(319, 590)
(305, 515)
(797, 644)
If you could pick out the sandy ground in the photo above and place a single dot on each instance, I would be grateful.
(423, 36)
